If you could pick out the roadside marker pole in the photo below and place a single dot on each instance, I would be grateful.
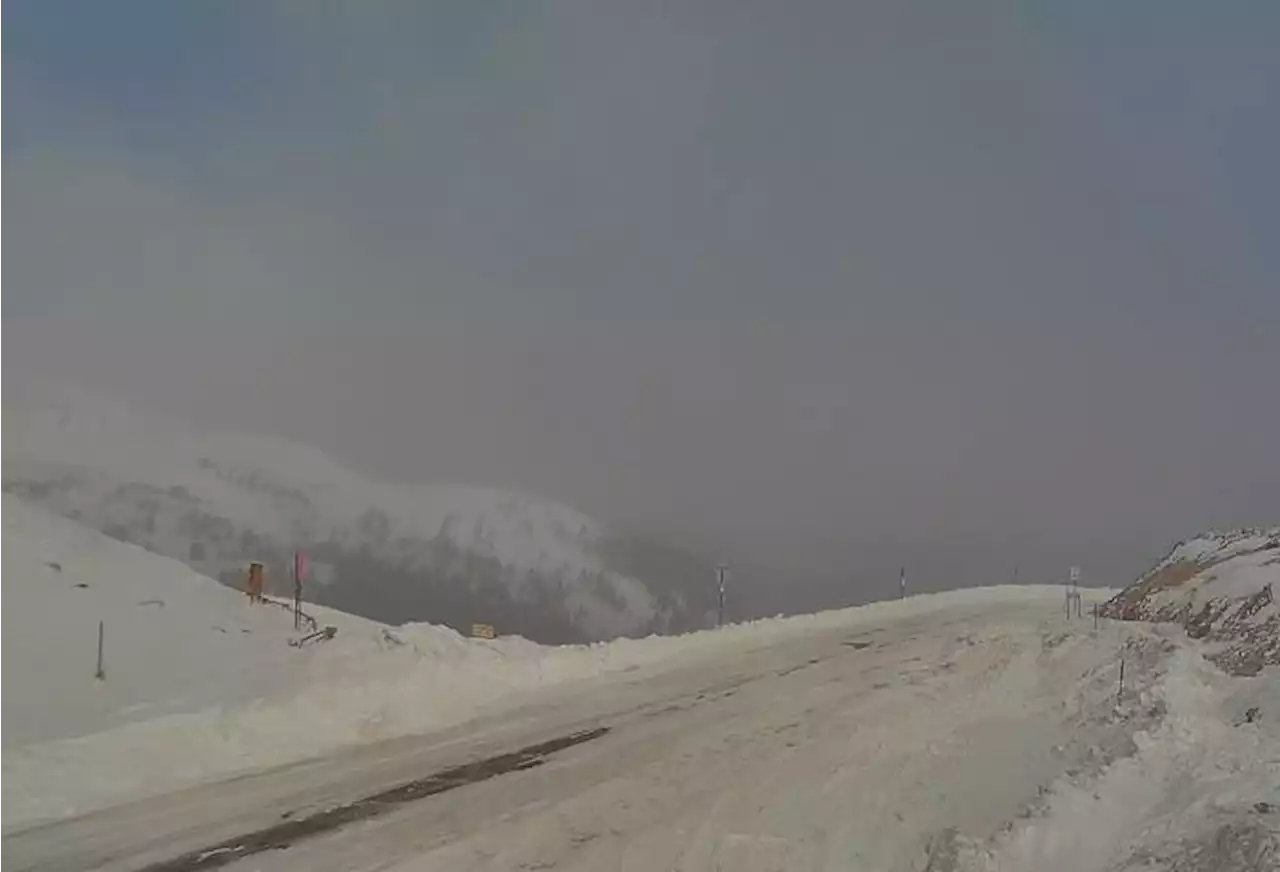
(1073, 592)
(101, 674)
(722, 570)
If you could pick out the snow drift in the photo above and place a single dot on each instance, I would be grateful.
(984, 738)
(205, 685)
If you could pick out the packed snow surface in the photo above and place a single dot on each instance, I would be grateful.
(984, 736)
(200, 684)
(972, 731)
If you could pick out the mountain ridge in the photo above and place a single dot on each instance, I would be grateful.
(393, 552)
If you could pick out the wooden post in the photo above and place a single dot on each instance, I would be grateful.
(101, 674)
(1095, 616)
(1120, 691)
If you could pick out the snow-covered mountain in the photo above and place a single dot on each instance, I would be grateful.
(395, 553)
(1221, 588)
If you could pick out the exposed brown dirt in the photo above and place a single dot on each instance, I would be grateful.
(1126, 605)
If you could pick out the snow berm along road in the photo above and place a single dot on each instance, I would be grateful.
(971, 730)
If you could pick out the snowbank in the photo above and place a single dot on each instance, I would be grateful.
(1199, 793)
(205, 686)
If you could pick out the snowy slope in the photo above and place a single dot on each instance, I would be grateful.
(972, 731)
(199, 683)
(217, 499)
(174, 641)
(184, 702)
(1221, 588)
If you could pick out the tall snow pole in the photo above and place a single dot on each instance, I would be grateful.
(101, 674)
(722, 571)
(902, 583)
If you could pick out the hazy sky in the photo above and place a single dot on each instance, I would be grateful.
(831, 285)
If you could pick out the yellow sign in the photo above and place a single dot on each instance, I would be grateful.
(482, 631)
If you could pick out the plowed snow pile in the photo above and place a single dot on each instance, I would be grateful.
(975, 730)
(200, 685)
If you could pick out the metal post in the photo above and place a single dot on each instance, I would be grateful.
(1095, 616)
(101, 673)
(722, 570)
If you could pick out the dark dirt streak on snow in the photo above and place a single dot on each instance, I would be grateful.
(284, 834)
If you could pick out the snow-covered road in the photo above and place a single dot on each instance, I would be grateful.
(887, 745)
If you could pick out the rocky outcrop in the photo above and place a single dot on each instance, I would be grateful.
(1221, 588)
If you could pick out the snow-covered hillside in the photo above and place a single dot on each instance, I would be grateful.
(968, 731)
(972, 730)
(199, 683)
(214, 500)
(173, 640)
(1221, 588)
